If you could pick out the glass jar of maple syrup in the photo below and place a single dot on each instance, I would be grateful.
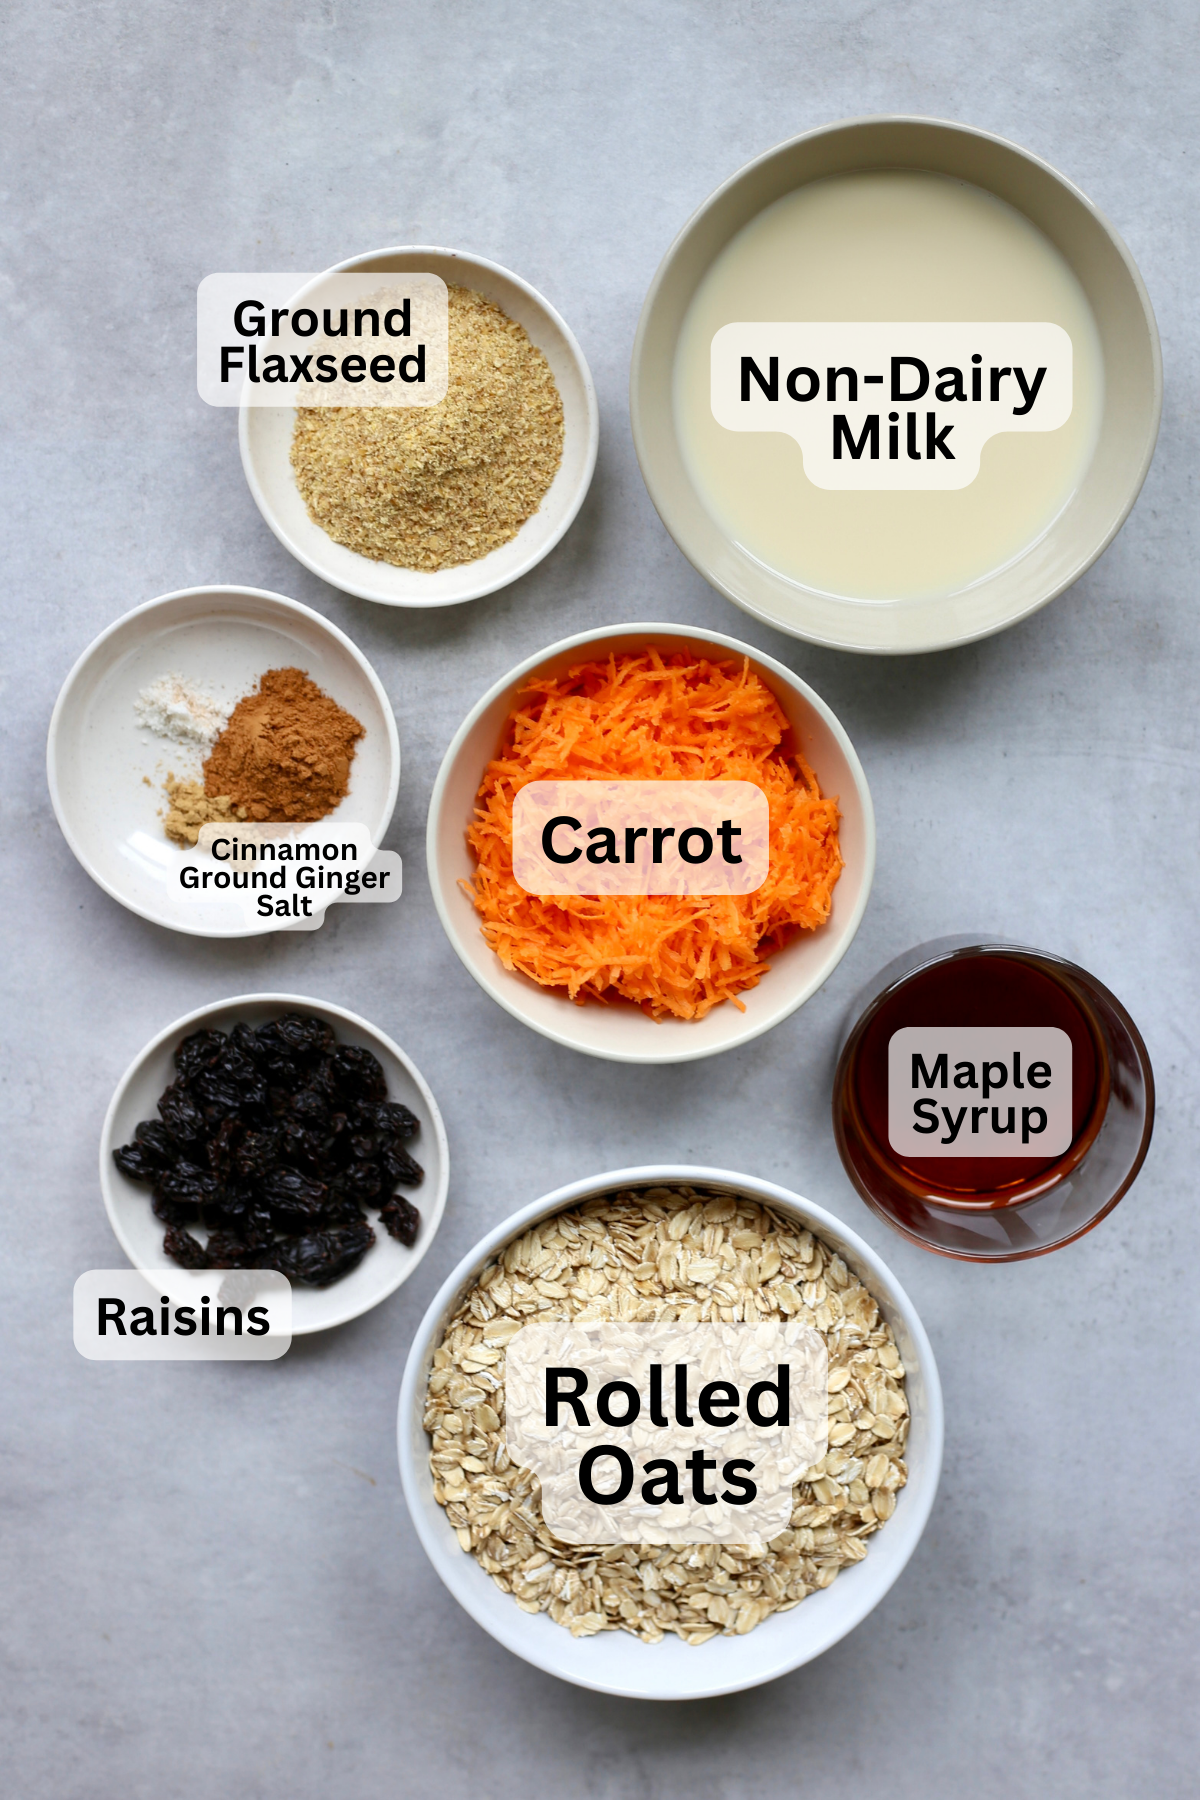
(991, 1102)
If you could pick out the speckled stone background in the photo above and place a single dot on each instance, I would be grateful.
(210, 1584)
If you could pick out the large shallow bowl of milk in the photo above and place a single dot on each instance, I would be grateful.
(895, 385)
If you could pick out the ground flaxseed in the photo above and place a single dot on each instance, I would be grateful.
(429, 487)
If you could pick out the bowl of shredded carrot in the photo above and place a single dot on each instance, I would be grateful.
(654, 977)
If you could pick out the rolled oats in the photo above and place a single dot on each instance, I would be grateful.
(666, 1254)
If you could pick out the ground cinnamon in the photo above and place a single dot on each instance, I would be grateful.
(285, 752)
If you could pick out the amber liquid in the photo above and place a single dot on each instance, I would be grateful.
(982, 988)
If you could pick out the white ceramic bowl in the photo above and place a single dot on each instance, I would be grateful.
(624, 1033)
(614, 1662)
(265, 436)
(388, 1264)
(1132, 382)
(106, 771)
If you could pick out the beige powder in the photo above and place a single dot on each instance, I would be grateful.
(189, 807)
(429, 487)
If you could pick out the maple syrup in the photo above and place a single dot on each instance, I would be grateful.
(991, 1100)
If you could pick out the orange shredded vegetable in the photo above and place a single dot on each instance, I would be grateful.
(650, 716)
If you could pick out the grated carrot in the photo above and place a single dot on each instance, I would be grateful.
(654, 716)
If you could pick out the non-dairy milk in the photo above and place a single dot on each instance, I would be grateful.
(888, 504)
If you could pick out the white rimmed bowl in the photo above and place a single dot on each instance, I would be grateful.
(614, 1662)
(387, 1265)
(265, 437)
(623, 1033)
(1132, 364)
(106, 771)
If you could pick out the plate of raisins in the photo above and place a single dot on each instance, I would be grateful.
(276, 1132)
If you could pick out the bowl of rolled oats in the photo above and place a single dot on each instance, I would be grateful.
(659, 1619)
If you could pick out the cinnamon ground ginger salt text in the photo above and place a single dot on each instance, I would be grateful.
(284, 755)
(429, 487)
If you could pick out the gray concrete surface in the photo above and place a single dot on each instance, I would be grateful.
(210, 1584)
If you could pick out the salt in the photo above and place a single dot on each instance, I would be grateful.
(178, 709)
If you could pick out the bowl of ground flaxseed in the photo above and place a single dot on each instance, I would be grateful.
(432, 505)
(665, 1621)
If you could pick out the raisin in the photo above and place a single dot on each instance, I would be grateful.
(358, 1074)
(244, 1074)
(400, 1166)
(302, 1035)
(278, 1098)
(172, 1212)
(224, 1251)
(292, 1192)
(361, 1181)
(341, 1209)
(180, 1114)
(186, 1182)
(133, 1160)
(198, 1052)
(257, 1154)
(400, 1219)
(156, 1140)
(182, 1246)
(310, 1106)
(320, 1257)
(222, 1147)
(256, 1226)
(244, 1039)
(220, 1095)
(386, 1116)
(298, 1146)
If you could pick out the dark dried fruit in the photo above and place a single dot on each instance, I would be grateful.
(198, 1052)
(310, 1106)
(400, 1219)
(247, 1042)
(157, 1141)
(400, 1166)
(361, 1181)
(172, 1212)
(186, 1251)
(322, 1257)
(301, 1034)
(193, 1186)
(224, 1251)
(298, 1145)
(290, 1191)
(180, 1114)
(134, 1161)
(358, 1074)
(274, 1138)
(257, 1154)
(222, 1148)
(387, 1117)
(224, 1097)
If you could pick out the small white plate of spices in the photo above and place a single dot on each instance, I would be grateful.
(153, 697)
(457, 504)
